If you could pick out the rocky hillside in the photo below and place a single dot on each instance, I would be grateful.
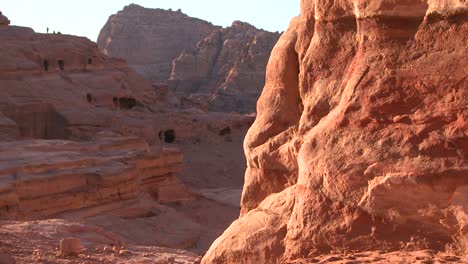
(150, 39)
(86, 139)
(226, 70)
(360, 142)
(208, 67)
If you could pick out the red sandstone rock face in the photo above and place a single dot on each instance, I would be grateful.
(58, 86)
(360, 140)
(150, 39)
(82, 137)
(41, 179)
(226, 70)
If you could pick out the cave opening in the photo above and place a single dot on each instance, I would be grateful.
(225, 131)
(89, 98)
(61, 64)
(90, 61)
(169, 136)
(127, 103)
(46, 65)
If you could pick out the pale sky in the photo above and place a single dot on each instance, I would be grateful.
(87, 17)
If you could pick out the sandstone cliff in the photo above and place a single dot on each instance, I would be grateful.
(58, 87)
(209, 67)
(226, 70)
(42, 179)
(85, 138)
(360, 142)
(150, 39)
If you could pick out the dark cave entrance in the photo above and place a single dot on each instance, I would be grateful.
(89, 98)
(225, 131)
(169, 136)
(46, 65)
(115, 101)
(61, 64)
(127, 103)
(90, 61)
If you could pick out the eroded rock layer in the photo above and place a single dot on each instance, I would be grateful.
(150, 39)
(360, 142)
(225, 72)
(59, 87)
(84, 137)
(41, 179)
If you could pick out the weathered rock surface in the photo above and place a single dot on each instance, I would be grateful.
(226, 70)
(37, 242)
(4, 20)
(40, 179)
(59, 87)
(70, 246)
(74, 127)
(360, 142)
(150, 39)
(209, 67)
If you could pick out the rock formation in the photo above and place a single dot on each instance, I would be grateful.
(42, 179)
(150, 39)
(226, 70)
(360, 142)
(84, 138)
(4, 20)
(39, 241)
(209, 67)
(61, 87)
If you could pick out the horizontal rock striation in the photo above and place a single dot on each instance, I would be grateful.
(150, 39)
(42, 179)
(360, 138)
(60, 87)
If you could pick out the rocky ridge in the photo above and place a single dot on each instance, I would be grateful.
(200, 65)
(360, 138)
(225, 72)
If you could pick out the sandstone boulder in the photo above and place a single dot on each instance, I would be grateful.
(70, 247)
(360, 139)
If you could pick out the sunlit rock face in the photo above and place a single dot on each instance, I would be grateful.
(205, 66)
(226, 70)
(58, 86)
(360, 138)
(46, 178)
(150, 39)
